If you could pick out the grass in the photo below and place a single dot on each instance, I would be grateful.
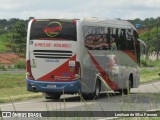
(2, 46)
(149, 74)
(12, 80)
(150, 71)
(13, 87)
(139, 118)
(20, 64)
(150, 63)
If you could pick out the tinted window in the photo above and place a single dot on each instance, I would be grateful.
(103, 38)
(137, 45)
(54, 30)
(96, 38)
(113, 38)
(124, 39)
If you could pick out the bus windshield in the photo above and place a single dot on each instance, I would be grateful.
(53, 30)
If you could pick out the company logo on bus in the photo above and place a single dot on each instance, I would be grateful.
(53, 29)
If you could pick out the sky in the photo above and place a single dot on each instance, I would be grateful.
(123, 9)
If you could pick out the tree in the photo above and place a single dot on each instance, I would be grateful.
(152, 39)
(17, 37)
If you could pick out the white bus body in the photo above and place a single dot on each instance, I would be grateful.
(79, 56)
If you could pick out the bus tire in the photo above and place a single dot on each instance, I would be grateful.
(88, 96)
(97, 89)
(52, 96)
(128, 89)
(95, 94)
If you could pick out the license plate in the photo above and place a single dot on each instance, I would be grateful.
(51, 86)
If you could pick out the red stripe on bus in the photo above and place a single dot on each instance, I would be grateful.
(28, 68)
(130, 54)
(57, 73)
(104, 75)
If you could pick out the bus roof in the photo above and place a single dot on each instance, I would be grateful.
(96, 21)
(111, 23)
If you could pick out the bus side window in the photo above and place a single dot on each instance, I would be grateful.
(108, 37)
(117, 37)
(137, 48)
(113, 39)
(122, 39)
(130, 41)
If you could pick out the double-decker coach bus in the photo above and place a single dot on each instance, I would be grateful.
(81, 56)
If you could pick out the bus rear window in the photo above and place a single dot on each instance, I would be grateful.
(53, 30)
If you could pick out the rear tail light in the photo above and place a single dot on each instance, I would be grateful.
(75, 69)
(34, 20)
(29, 73)
(74, 21)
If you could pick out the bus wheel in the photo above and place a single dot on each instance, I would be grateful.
(97, 89)
(127, 90)
(95, 94)
(88, 96)
(52, 96)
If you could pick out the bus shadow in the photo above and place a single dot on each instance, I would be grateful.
(78, 98)
(112, 97)
(134, 98)
(148, 98)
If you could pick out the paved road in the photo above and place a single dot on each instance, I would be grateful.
(146, 97)
(14, 71)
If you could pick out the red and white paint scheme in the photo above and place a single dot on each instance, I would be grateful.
(81, 56)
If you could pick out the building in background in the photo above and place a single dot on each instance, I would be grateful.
(7, 61)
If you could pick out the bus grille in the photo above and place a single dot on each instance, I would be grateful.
(52, 54)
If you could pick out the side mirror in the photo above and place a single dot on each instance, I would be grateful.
(143, 44)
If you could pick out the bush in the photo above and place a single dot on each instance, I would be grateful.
(147, 63)
(20, 64)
